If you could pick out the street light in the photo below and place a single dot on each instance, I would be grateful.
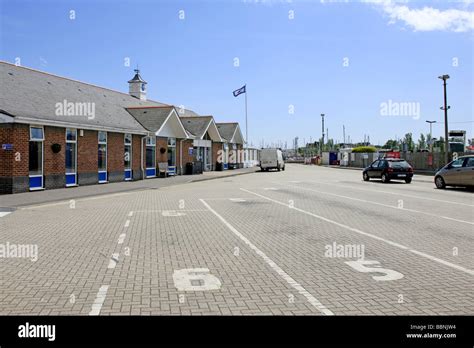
(322, 142)
(431, 134)
(445, 108)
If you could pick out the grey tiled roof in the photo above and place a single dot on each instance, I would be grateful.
(226, 130)
(27, 93)
(152, 118)
(196, 125)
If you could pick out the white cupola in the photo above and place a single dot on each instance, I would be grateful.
(137, 86)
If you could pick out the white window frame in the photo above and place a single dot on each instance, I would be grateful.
(126, 143)
(106, 153)
(151, 142)
(75, 157)
(42, 158)
(172, 144)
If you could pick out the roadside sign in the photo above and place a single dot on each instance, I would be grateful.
(190, 151)
(7, 146)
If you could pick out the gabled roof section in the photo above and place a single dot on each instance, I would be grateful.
(31, 96)
(230, 131)
(200, 125)
(162, 120)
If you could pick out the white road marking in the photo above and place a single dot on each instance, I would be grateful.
(237, 200)
(127, 223)
(45, 205)
(312, 300)
(270, 188)
(99, 300)
(433, 258)
(121, 238)
(130, 213)
(4, 213)
(361, 266)
(382, 205)
(113, 261)
(161, 211)
(392, 193)
(172, 213)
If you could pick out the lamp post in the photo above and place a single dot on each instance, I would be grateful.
(431, 134)
(322, 141)
(445, 108)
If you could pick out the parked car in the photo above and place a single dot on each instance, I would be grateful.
(389, 169)
(459, 172)
(271, 159)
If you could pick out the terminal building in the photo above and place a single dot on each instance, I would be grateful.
(57, 132)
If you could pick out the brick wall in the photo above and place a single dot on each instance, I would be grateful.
(6, 156)
(87, 147)
(161, 143)
(186, 157)
(216, 147)
(54, 166)
(21, 138)
(115, 153)
(54, 163)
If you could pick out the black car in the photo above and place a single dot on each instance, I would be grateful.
(389, 169)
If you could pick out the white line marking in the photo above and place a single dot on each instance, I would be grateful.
(130, 213)
(99, 300)
(113, 261)
(270, 188)
(446, 263)
(127, 223)
(391, 193)
(318, 305)
(121, 238)
(381, 204)
(4, 213)
(41, 205)
(160, 211)
(238, 200)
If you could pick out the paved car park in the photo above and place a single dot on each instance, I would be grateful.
(309, 240)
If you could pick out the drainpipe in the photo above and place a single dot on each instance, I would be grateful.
(141, 155)
(181, 156)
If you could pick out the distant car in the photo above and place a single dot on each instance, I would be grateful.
(459, 172)
(389, 169)
(271, 159)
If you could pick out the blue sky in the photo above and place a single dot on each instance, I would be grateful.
(394, 51)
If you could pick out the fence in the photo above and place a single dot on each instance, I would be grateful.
(428, 161)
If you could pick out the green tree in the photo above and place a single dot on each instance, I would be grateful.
(422, 142)
(390, 144)
(409, 141)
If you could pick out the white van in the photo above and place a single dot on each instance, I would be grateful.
(271, 159)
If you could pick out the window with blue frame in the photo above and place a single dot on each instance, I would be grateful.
(35, 162)
(71, 151)
(150, 155)
(102, 156)
(36, 151)
(127, 157)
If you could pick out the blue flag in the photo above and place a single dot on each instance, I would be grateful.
(239, 91)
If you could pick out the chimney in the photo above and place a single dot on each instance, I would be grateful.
(137, 86)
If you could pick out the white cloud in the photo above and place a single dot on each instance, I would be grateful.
(428, 18)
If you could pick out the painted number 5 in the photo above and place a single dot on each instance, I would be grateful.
(388, 274)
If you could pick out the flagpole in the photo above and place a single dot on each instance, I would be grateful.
(246, 124)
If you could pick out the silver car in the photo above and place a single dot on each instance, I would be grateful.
(459, 172)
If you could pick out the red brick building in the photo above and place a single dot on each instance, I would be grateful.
(56, 132)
